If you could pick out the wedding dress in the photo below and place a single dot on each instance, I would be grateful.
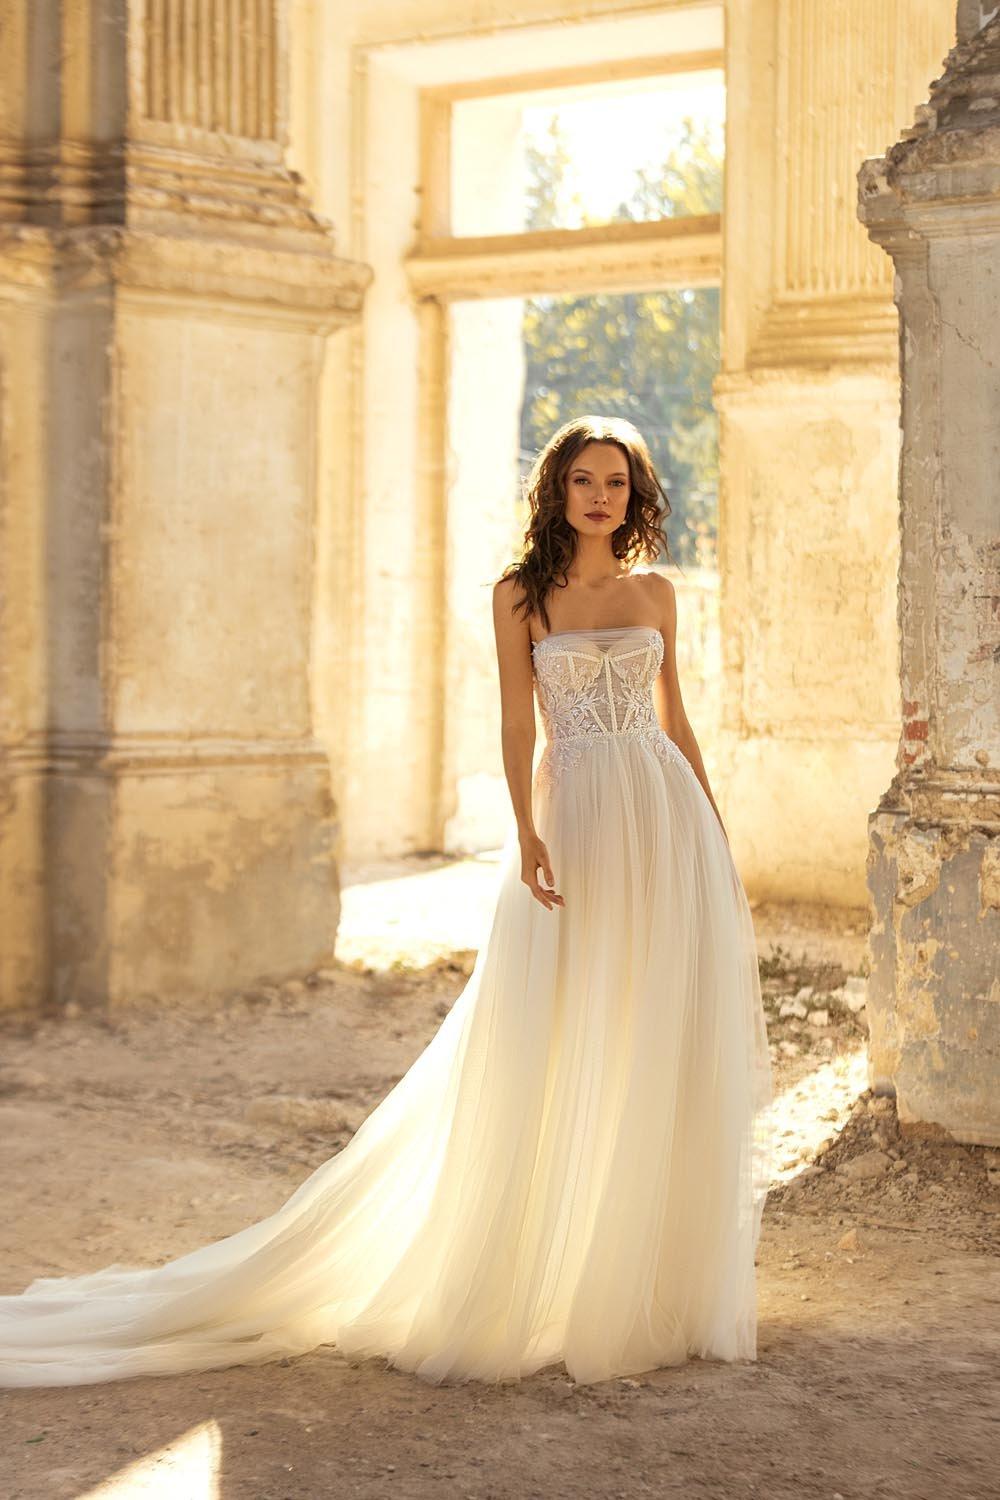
(573, 1170)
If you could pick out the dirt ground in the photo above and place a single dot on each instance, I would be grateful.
(136, 1137)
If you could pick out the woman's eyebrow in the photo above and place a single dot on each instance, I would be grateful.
(615, 474)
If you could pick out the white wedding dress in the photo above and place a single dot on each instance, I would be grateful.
(575, 1167)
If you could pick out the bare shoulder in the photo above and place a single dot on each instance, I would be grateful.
(510, 623)
(506, 593)
(660, 591)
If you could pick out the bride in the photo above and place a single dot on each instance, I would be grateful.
(574, 1169)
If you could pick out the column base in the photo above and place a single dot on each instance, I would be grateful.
(182, 873)
(934, 990)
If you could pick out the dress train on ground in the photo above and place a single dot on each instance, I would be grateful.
(575, 1167)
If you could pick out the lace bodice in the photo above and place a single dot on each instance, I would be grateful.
(598, 683)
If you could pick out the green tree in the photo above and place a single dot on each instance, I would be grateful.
(546, 172)
(648, 356)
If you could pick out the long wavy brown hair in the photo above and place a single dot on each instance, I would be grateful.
(550, 541)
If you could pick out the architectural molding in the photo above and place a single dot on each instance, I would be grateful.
(946, 797)
(611, 257)
(617, 70)
(489, 25)
(825, 330)
(942, 177)
(157, 182)
(870, 383)
(115, 755)
(214, 65)
(315, 287)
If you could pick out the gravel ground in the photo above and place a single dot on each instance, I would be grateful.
(138, 1136)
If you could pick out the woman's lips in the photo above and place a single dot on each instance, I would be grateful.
(597, 515)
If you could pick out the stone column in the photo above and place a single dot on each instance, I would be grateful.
(933, 202)
(808, 396)
(166, 823)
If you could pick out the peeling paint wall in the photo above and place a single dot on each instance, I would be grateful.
(934, 855)
(934, 991)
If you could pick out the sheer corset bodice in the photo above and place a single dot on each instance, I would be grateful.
(596, 686)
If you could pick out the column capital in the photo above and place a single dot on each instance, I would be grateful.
(942, 177)
(158, 115)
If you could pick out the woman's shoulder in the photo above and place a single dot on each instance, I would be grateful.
(509, 589)
(656, 584)
(509, 598)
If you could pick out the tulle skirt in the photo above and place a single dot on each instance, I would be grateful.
(573, 1170)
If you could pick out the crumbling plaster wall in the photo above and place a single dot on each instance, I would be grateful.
(934, 1004)
(934, 856)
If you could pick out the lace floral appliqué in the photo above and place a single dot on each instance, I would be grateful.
(584, 691)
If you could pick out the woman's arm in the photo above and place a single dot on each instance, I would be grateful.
(517, 734)
(517, 706)
(667, 689)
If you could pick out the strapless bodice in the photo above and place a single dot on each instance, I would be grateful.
(595, 685)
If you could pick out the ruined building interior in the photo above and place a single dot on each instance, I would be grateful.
(260, 375)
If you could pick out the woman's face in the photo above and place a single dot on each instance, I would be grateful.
(597, 489)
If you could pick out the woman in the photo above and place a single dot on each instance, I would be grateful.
(574, 1169)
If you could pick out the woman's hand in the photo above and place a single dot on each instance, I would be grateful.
(533, 855)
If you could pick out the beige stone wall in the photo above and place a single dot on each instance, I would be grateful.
(808, 626)
(809, 400)
(23, 642)
(167, 826)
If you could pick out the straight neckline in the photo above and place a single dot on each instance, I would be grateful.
(595, 630)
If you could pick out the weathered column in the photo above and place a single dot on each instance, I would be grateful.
(166, 823)
(808, 396)
(933, 202)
